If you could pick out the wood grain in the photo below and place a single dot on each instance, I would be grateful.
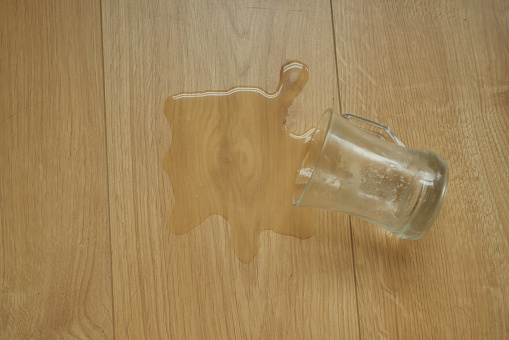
(436, 72)
(54, 260)
(193, 286)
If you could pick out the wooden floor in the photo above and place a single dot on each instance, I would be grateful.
(85, 251)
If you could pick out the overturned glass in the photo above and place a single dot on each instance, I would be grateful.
(358, 172)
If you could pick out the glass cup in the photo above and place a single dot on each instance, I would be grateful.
(358, 172)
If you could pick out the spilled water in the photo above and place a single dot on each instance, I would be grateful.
(232, 155)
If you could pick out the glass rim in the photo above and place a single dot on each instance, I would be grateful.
(326, 116)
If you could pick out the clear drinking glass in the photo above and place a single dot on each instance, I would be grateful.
(352, 170)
